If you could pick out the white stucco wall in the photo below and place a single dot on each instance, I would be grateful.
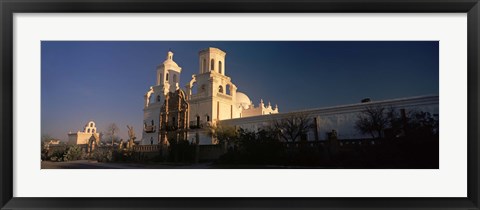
(340, 118)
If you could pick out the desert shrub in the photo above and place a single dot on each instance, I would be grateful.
(255, 148)
(123, 155)
(73, 153)
(57, 155)
(102, 155)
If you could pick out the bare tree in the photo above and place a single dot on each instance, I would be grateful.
(373, 120)
(292, 126)
(223, 133)
(112, 131)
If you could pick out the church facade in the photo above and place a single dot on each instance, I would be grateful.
(209, 97)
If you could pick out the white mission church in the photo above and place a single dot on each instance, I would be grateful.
(211, 97)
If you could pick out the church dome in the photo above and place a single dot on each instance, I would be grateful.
(169, 60)
(170, 63)
(242, 100)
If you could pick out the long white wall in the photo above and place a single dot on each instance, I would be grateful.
(340, 118)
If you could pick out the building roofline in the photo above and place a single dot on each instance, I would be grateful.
(410, 101)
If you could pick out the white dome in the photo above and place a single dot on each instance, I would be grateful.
(169, 60)
(242, 100)
(170, 63)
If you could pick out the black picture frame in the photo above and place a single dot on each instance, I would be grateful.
(10, 7)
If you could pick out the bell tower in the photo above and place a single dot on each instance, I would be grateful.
(211, 93)
(212, 60)
(168, 74)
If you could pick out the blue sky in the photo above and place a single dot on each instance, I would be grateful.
(106, 81)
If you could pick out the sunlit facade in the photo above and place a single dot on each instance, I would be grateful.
(211, 96)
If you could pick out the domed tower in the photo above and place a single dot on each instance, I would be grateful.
(168, 77)
(168, 74)
(167, 80)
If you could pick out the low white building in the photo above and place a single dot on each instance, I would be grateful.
(87, 136)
